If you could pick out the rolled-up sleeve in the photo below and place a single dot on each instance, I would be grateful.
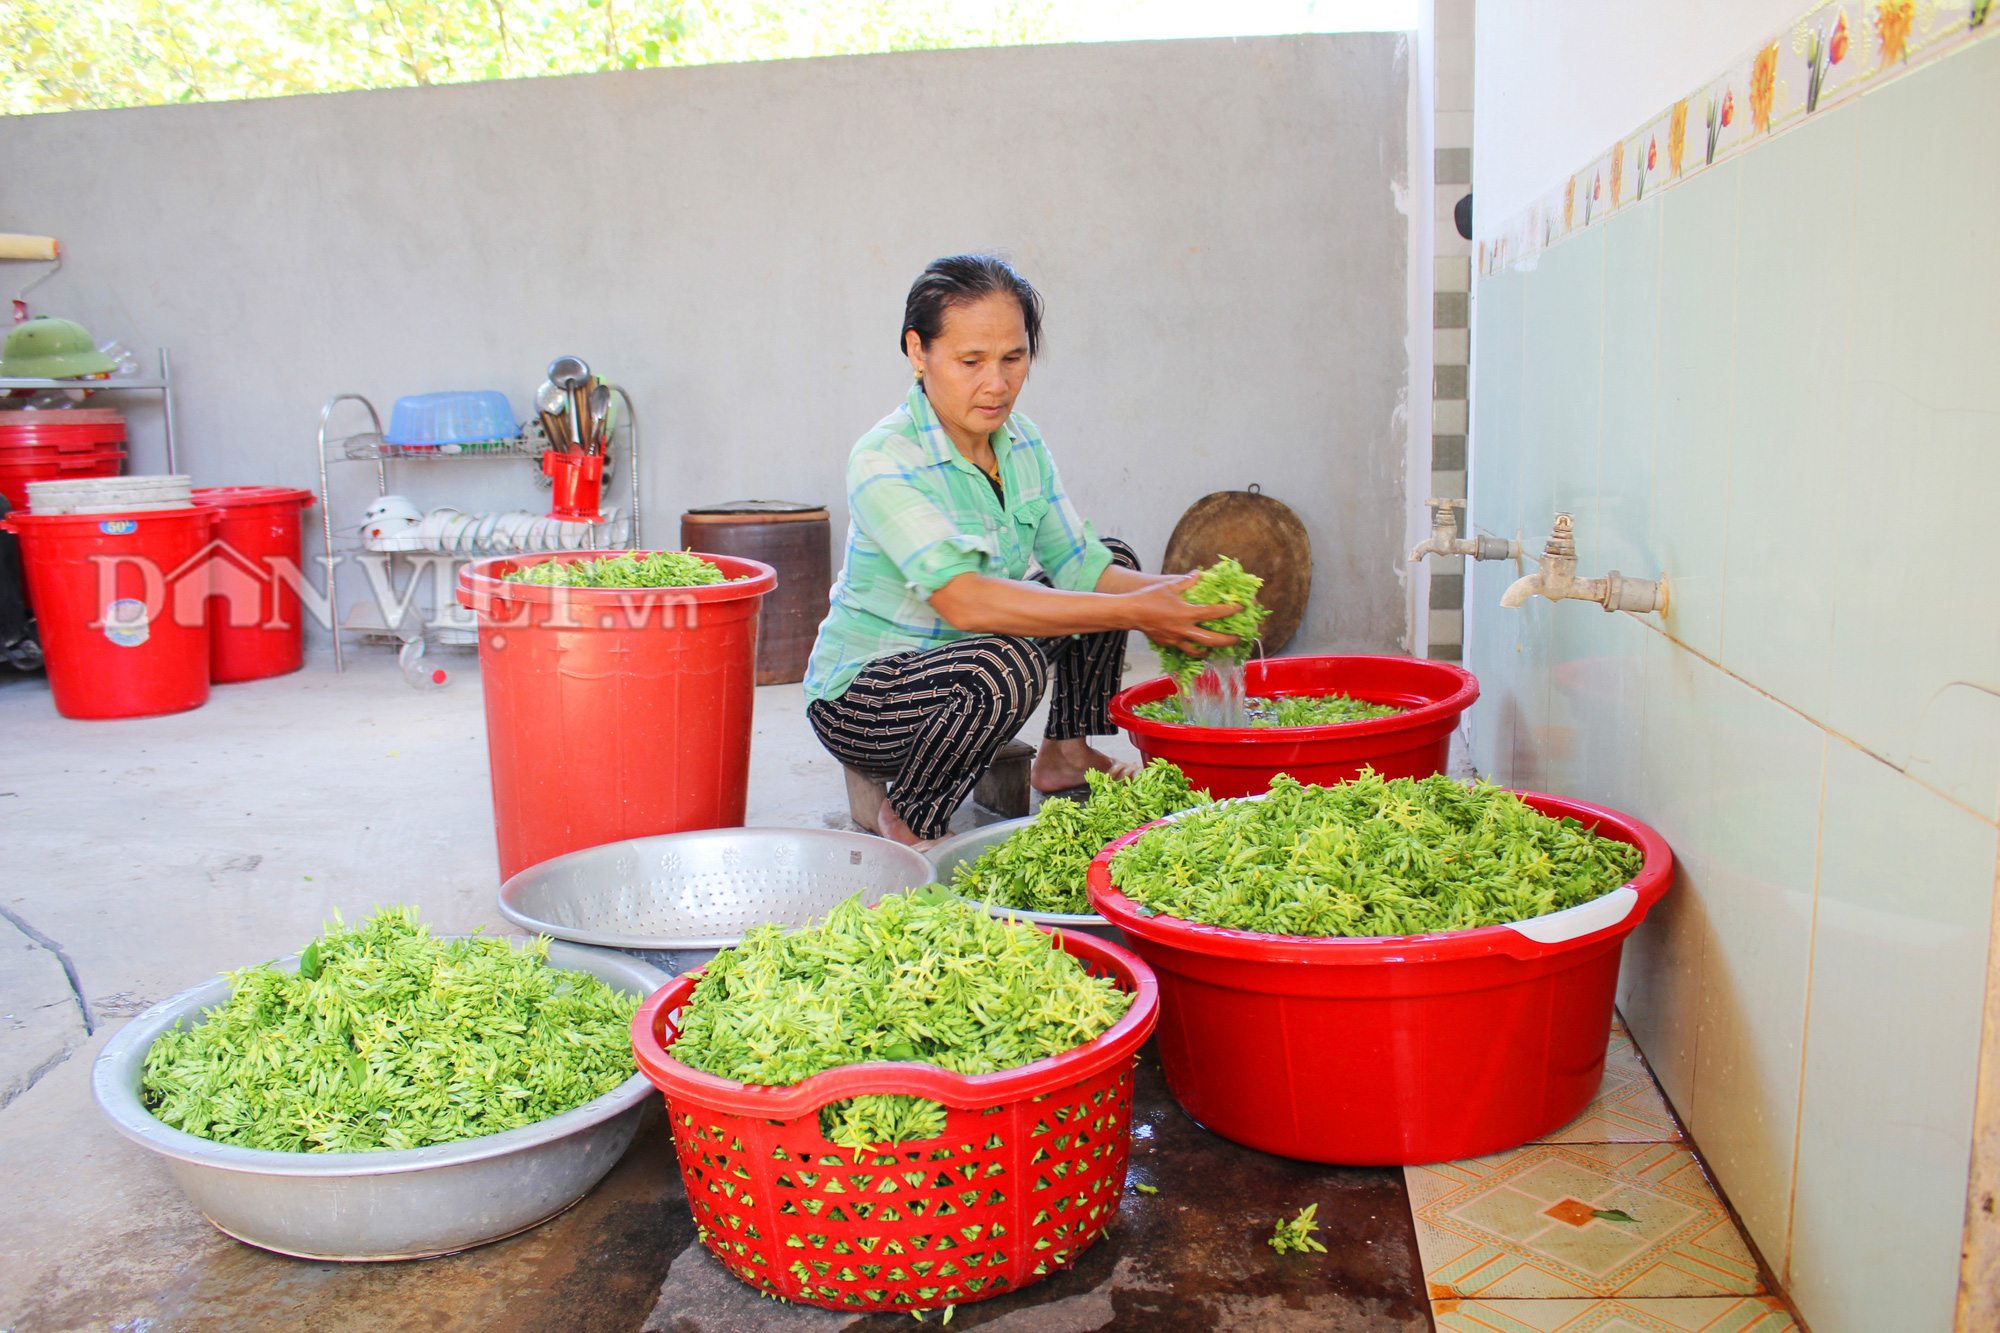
(909, 526)
(1066, 544)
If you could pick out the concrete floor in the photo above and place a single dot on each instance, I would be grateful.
(144, 856)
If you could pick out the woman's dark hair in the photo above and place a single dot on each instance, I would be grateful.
(961, 280)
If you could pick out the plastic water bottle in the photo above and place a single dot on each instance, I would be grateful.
(420, 674)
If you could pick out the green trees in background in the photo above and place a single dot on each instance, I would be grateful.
(70, 54)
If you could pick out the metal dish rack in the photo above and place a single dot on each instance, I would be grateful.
(369, 446)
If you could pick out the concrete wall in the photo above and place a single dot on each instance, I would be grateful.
(1768, 381)
(1215, 225)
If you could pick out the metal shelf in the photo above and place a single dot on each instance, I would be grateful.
(163, 385)
(369, 447)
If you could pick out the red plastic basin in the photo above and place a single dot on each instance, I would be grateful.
(256, 625)
(75, 428)
(613, 713)
(1390, 1051)
(1029, 1170)
(1241, 761)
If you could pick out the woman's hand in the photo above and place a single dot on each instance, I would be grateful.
(982, 605)
(1163, 615)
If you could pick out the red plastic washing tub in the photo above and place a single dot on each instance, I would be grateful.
(1392, 1051)
(119, 603)
(256, 627)
(1241, 761)
(613, 712)
(1026, 1177)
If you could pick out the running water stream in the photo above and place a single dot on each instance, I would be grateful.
(1214, 697)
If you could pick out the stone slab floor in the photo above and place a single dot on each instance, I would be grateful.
(144, 856)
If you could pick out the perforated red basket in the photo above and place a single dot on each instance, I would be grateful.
(1027, 1174)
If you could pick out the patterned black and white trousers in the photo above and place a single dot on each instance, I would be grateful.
(930, 722)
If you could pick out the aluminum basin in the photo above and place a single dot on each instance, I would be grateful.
(966, 848)
(676, 898)
(397, 1204)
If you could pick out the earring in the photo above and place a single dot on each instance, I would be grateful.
(920, 377)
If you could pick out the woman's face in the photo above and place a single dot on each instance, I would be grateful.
(974, 369)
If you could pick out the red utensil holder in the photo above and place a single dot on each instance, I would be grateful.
(579, 483)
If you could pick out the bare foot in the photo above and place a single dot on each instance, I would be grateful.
(1062, 764)
(895, 830)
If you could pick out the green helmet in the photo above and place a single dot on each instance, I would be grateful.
(46, 348)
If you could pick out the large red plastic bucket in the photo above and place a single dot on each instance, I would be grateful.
(613, 712)
(256, 626)
(18, 467)
(1392, 1051)
(1241, 761)
(1027, 1175)
(120, 605)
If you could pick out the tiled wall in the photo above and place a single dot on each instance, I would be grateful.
(1774, 383)
(1451, 311)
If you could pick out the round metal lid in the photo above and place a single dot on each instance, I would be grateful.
(757, 507)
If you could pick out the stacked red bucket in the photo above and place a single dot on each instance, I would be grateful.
(52, 446)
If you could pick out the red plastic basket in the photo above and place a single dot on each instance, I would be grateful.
(1241, 761)
(1027, 1174)
(1386, 1051)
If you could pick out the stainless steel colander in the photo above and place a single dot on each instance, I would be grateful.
(702, 890)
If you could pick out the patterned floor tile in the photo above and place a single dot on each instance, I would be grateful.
(1559, 1220)
(1628, 1107)
(1697, 1314)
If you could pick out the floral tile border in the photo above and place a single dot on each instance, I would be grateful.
(1834, 51)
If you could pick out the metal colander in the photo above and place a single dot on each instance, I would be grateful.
(702, 890)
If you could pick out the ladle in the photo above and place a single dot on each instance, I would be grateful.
(600, 418)
(552, 404)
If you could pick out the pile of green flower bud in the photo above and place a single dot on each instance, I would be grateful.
(923, 976)
(387, 1037)
(629, 569)
(1280, 710)
(1221, 583)
(1374, 856)
(1043, 867)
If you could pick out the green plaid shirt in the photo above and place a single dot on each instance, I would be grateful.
(919, 515)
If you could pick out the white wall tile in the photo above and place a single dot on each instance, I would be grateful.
(1631, 393)
(1761, 849)
(1698, 225)
(1916, 638)
(1892, 1042)
(1793, 406)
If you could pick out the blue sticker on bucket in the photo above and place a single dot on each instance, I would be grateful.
(117, 527)
(126, 622)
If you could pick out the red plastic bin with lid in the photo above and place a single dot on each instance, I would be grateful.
(1027, 1175)
(1392, 1051)
(120, 606)
(256, 623)
(613, 712)
(1241, 761)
